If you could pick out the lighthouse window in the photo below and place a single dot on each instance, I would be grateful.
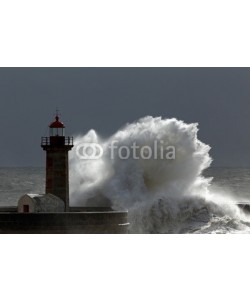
(57, 132)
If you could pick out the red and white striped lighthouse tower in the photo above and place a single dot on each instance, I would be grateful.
(57, 147)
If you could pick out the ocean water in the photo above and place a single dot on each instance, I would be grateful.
(15, 182)
(235, 181)
(232, 182)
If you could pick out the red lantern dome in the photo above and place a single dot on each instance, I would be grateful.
(57, 123)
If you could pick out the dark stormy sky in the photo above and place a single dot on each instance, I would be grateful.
(106, 98)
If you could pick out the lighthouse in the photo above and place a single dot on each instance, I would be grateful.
(50, 212)
(57, 147)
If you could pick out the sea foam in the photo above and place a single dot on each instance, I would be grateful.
(161, 195)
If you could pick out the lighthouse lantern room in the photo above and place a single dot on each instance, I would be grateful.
(57, 128)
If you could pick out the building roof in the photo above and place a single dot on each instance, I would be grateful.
(42, 203)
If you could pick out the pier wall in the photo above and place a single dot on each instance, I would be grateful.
(65, 223)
